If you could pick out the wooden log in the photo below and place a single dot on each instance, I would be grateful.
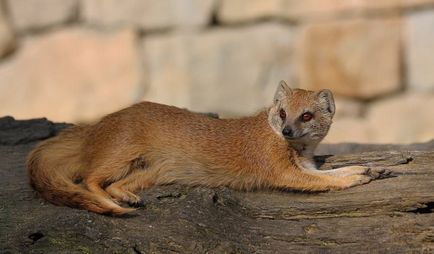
(390, 215)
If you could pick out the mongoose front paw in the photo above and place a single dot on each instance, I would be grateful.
(355, 180)
(375, 173)
(363, 175)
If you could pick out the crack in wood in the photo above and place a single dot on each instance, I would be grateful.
(136, 250)
(423, 208)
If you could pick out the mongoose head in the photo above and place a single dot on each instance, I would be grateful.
(301, 116)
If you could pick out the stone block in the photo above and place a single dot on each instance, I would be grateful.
(349, 130)
(7, 36)
(419, 50)
(149, 14)
(402, 119)
(346, 107)
(233, 11)
(357, 58)
(229, 71)
(72, 75)
(37, 14)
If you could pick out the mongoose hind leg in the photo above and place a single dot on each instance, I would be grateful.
(124, 190)
(106, 173)
(94, 186)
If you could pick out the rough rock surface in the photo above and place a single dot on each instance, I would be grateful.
(389, 113)
(357, 58)
(148, 14)
(420, 39)
(233, 11)
(89, 73)
(7, 37)
(401, 117)
(37, 14)
(347, 107)
(393, 215)
(240, 67)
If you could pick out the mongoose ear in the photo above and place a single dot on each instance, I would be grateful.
(283, 91)
(325, 97)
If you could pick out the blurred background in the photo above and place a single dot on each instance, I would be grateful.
(74, 61)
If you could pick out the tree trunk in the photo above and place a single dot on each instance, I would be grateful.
(393, 215)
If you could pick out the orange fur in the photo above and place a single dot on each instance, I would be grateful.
(174, 145)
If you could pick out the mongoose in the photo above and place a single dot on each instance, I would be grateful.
(151, 144)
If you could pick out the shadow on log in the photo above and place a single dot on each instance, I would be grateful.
(394, 215)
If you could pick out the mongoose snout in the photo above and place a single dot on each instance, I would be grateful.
(287, 132)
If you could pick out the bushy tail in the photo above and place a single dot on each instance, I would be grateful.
(55, 163)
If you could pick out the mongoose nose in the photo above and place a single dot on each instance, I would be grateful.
(287, 132)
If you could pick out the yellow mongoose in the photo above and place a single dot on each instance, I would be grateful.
(271, 149)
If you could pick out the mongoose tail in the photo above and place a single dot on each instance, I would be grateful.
(54, 165)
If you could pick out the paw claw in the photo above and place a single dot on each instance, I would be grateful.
(120, 195)
(136, 203)
(376, 173)
(362, 175)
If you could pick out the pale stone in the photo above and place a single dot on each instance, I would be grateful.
(346, 107)
(415, 3)
(231, 11)
(232, 71)
(295, 9)
(149, 14)
(349, 130)
(402, 119)
(313, 9)
(71, 75)
(36, 14)
(356, 58)
(7, 37)
(419, 50)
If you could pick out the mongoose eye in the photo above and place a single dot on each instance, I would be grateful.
(306, 117)
(282, 114)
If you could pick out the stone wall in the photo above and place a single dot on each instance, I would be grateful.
(72, 60)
